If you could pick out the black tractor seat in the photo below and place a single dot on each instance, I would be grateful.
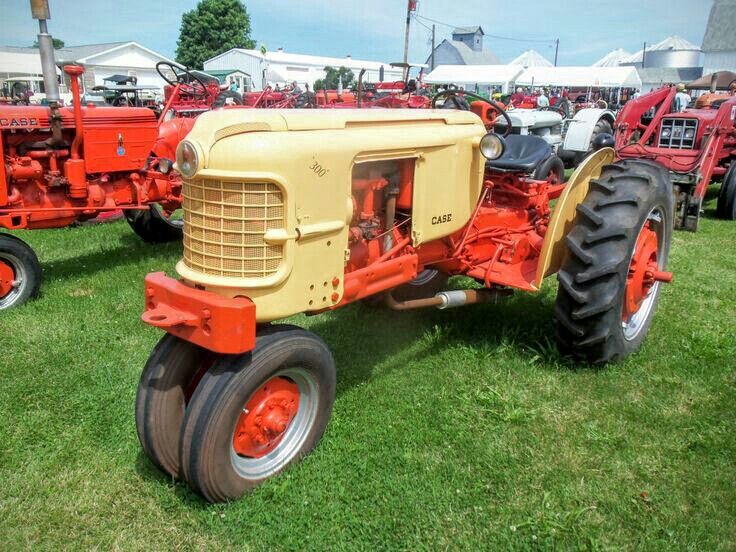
(522, 154)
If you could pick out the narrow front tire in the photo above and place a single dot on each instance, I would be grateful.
(255, 414)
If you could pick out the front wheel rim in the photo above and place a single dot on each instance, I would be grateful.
(275, 423)
(644, 275)
(13, 279)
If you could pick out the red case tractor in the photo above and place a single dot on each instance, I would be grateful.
(292, 211)
(696, 147)
(66, 164)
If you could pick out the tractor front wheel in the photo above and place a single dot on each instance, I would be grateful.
(20, 272)
(154, 226)
(617, 249)
(167, 383)
(254, 414)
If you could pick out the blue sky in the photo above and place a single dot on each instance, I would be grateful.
(587, 29)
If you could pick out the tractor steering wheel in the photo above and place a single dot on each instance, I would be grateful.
(184, 78)
(554, 108)
(452, 94)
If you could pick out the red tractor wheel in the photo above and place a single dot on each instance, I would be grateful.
(254, 414)
(616, 253)
(20, 272)
(167, 383)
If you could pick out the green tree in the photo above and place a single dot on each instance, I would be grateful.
(332, 78)
(213, 27)
(58, 43)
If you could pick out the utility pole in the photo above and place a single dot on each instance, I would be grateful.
(557, 49)
(643, 55)
(431, 61)
(411, 6)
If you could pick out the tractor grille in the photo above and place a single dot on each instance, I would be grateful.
(678, 133)
(224, 225)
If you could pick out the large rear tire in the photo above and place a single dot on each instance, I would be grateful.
(153, 226)
(227, 97)
(617, 249)
(20, 272)
(603, 126)
(167, 383)
(254, 414)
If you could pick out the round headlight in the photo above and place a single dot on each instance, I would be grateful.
(690, 134)
(666, 132)
(187, 159)
(492, 146)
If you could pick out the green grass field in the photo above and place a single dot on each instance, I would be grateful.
(455, 430)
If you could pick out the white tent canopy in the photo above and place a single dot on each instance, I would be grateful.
(531, 58)
(613, 58)
(581, 77)
(497, 75)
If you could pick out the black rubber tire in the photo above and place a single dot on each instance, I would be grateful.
(428, 283)
(603, 126)
(23, 260)
(207, 433)
(224, 96)
(726, 206)
(153, 227)
(551, 165)
(165, 388)
(592, 279)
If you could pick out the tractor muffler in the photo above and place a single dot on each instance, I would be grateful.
(449, 299)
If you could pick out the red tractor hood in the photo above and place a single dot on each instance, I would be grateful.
(37, 117)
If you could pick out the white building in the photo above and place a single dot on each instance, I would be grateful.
(672, 52)
(465, 48)
(99, 61)
(282, 68)
(719, 44)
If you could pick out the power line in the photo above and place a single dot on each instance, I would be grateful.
(497, 37)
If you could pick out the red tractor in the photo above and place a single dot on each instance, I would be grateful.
(61, 165)
(697, 147)
(190, 93)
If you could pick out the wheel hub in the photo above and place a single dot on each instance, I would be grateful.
(7, 278)
(266, 417)
(644, 271)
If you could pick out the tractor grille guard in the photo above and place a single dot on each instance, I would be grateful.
(677, 133)
(224, 227)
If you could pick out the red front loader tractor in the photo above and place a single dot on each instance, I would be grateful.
(306, 211)
(66, 164)
(696, 147)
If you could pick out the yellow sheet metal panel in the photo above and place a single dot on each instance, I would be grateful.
(268, 214)
(553, 249)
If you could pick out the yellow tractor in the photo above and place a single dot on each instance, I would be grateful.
(306, 211)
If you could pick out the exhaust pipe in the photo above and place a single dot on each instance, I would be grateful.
(449, 299)
(713, 83)
(40, 11)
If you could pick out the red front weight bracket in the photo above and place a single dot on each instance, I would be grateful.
(217, 323)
